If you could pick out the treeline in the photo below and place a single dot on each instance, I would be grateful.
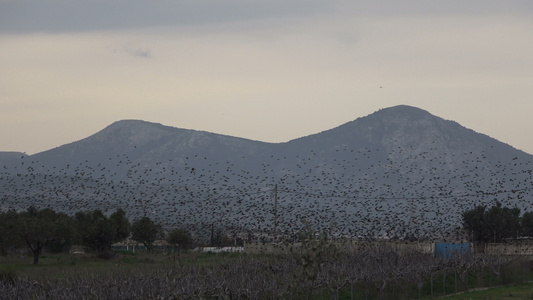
(497, 224)
(40, 229)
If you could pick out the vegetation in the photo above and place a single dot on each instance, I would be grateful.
(179, 239)
(497, 223)
(316, 268)
(97, 232)
(527, 224)
(317, 272)
(8, 236)
(145, 231)
(38, 230)
(514, 292)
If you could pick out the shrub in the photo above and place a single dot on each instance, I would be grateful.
(8, 275)
(106, 254)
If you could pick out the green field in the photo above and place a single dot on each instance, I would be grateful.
(58, 266)
(522, 291)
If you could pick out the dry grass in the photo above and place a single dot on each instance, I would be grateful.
(192, 275)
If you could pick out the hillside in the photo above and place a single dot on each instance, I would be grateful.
(9, 155)
(395, 172)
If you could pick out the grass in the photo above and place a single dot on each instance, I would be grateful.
(63, 265)
(58, 266)
(516, 272)
(522, 291)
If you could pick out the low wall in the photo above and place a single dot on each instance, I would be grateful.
(401, 247)
(271, 248)
(515, 248)
(220, 249)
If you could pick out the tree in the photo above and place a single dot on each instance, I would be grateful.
(503, 222)
(180, 237)
(99, 232)
(145, 231)
(66, 231)
(95, 230)
(121, 225)
(8, 236)
(527, 224)
(40, 228)
(494, 224)
(474, 221)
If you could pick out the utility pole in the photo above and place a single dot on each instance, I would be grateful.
(276, 208)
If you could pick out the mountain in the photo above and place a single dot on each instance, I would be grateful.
(9, 155)
(399, 171)
(148, 145)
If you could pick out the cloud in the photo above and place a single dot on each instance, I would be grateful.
(27, 16)
(434, 8)
(53, 16)
(136, 51)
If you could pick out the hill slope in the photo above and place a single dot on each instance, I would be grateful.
(398, 171)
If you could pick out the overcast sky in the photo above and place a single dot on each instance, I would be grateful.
(268, 70)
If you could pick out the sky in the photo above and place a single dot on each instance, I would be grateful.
(267, 70)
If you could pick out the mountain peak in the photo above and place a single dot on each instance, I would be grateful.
(384, 121)
(403, 107)
(404, 112)
(134, 132)
(401, 118)
(132, 124)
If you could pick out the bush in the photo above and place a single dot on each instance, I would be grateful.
(8, 275)
(106, 254)
(125, 252)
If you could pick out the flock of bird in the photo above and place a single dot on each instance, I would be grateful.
(352, 188)
(350, 194)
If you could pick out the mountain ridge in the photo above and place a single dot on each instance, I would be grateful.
(374, 174)
(399, 112)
